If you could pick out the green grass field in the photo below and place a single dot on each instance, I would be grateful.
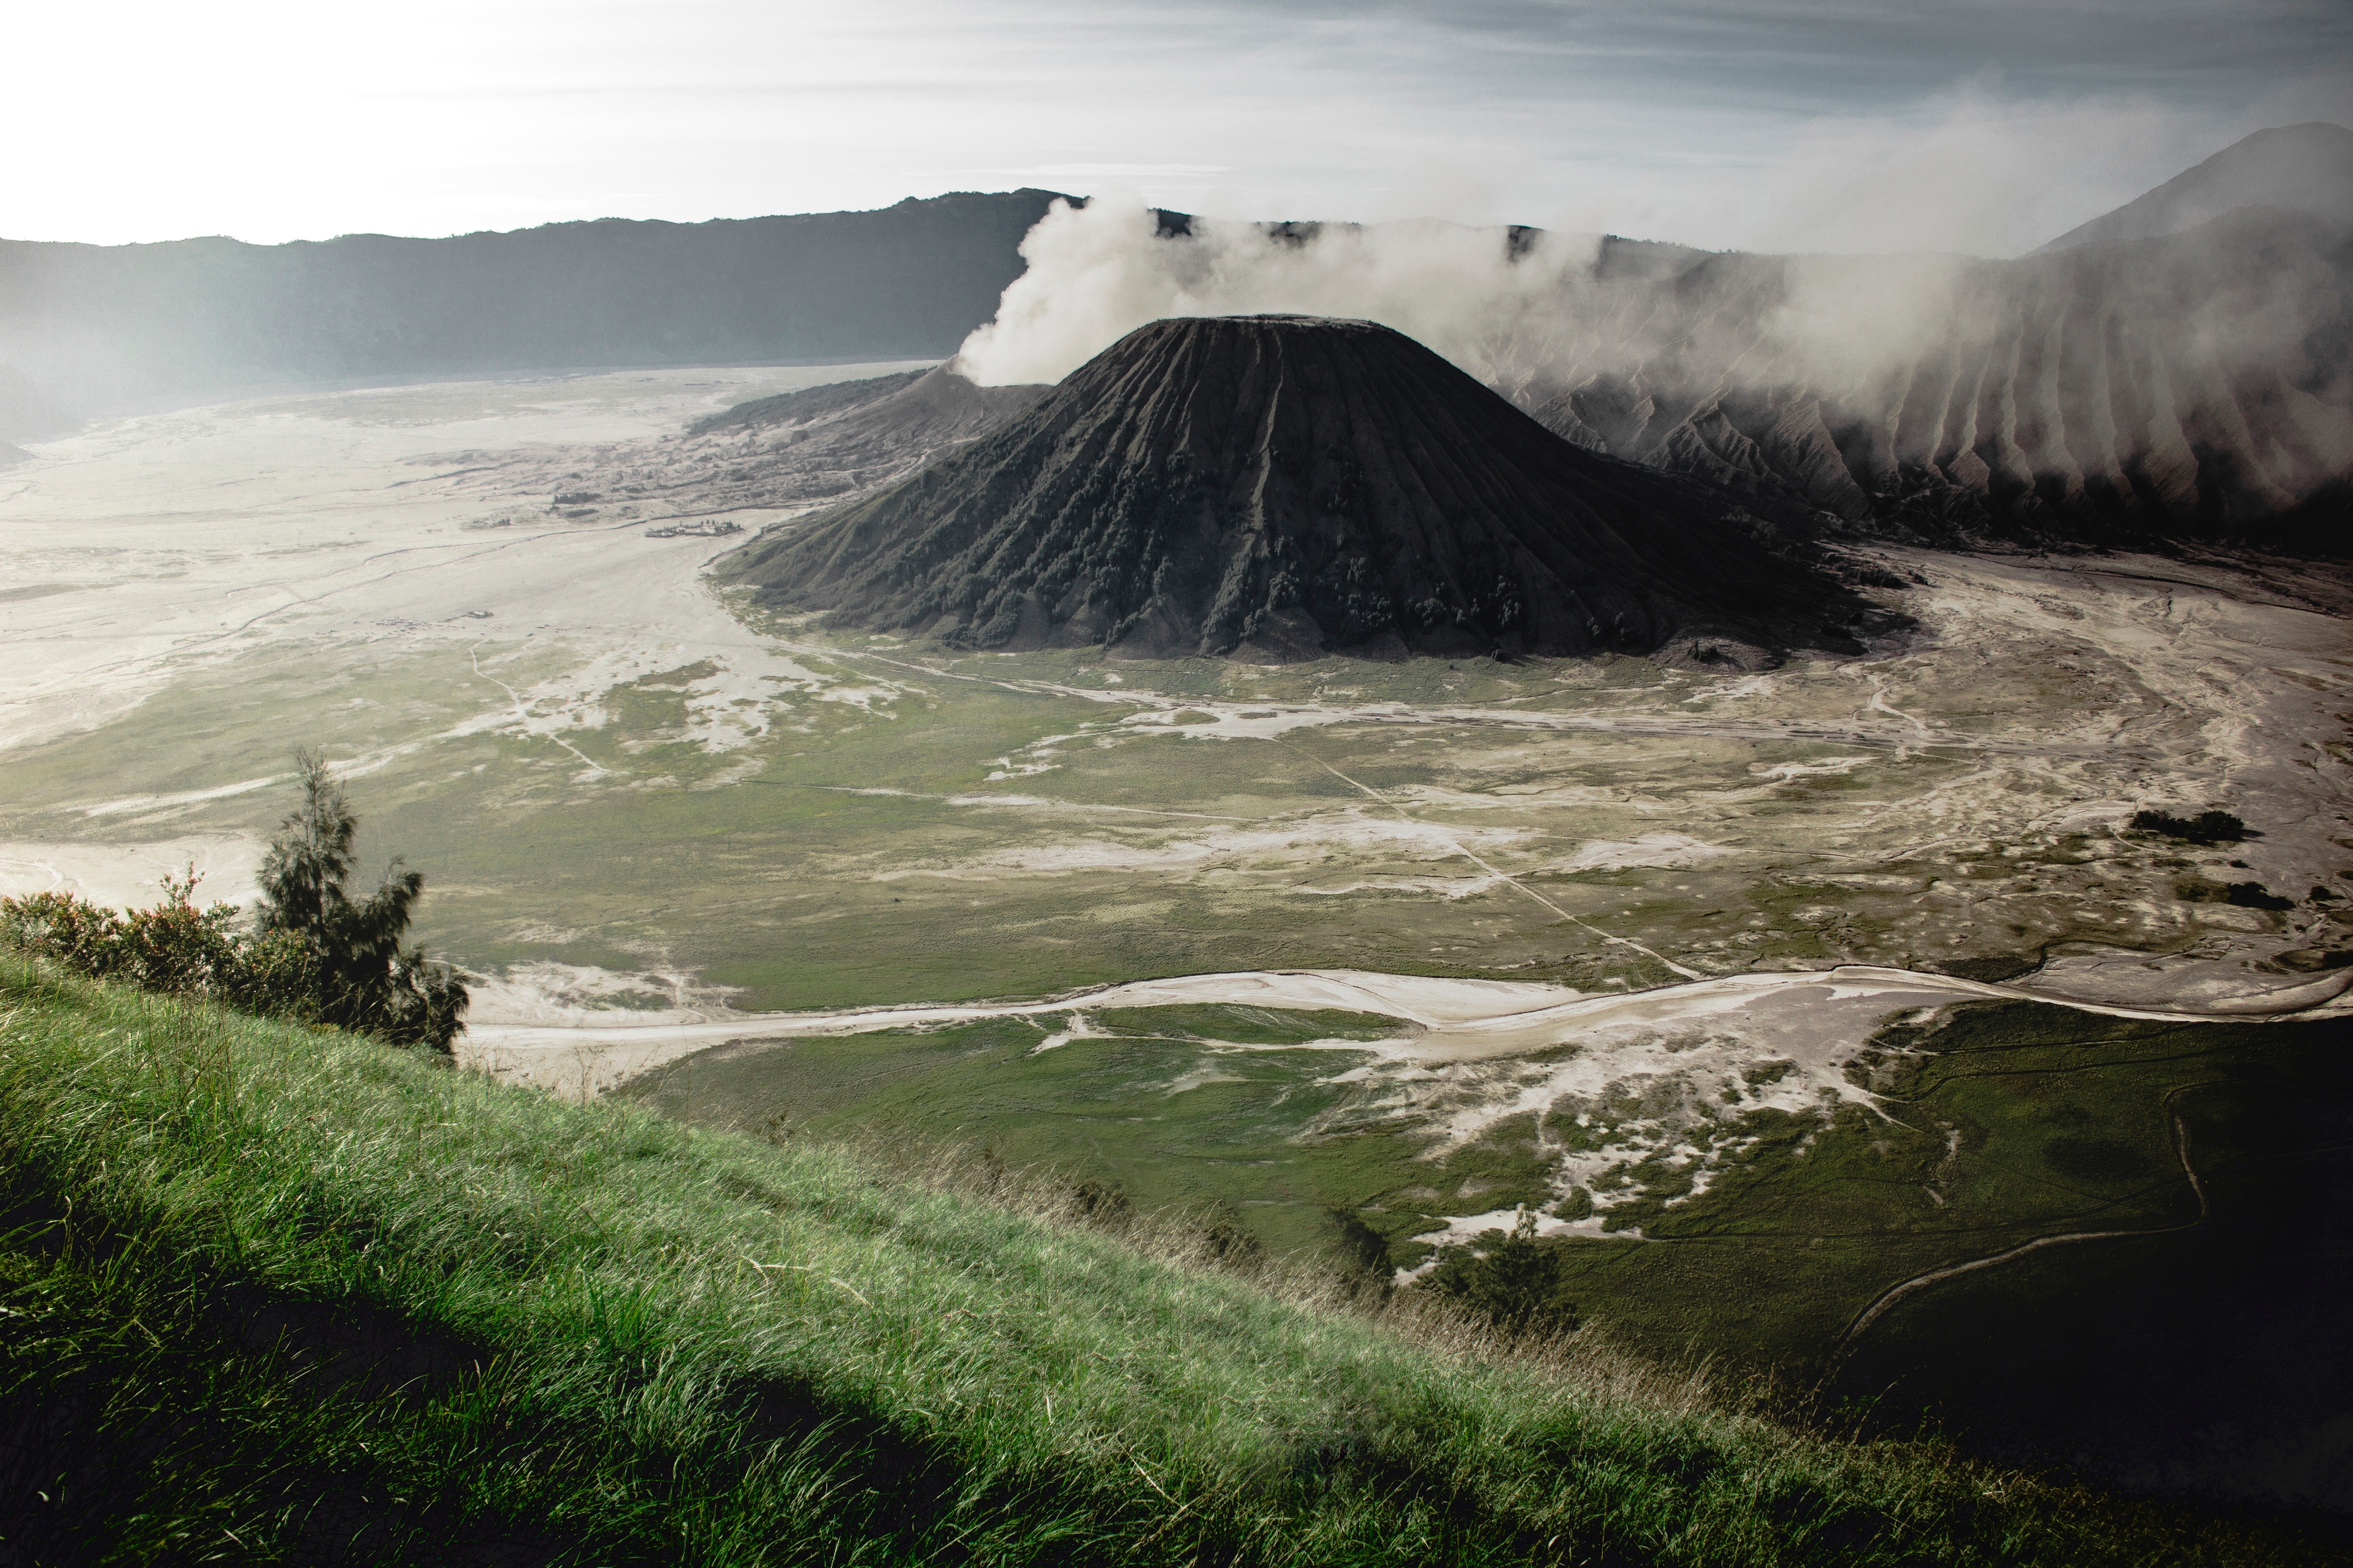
(279, 1296)
(1161, 1104)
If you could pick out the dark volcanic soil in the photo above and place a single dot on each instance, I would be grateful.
(1280, 487)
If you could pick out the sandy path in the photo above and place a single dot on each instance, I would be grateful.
(1503, 876)
(1445, 1020)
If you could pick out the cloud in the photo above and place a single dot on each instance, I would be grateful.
(1970, 170)
(1096, 174)
(1511, 307)
(1648, 332)
(1703, 121)
(1099, 271)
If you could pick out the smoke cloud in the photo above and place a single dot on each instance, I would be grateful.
(1099, 271)
(1520, 309)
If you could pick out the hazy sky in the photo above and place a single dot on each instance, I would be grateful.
(1981, 125)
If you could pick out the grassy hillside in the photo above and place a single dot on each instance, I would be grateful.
(2196, 1343)
(273, 1295)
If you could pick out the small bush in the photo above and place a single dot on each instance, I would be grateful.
(1227, 1242)
(2244, 895)
(75, 933)
(2206, 827)
(175, 948)
(1362, 1254)
(1515, 1282)
(1993, 968)
(313, 955)
(1103, 1204)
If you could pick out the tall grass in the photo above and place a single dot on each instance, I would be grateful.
(304, 1297)
(1209, 1238)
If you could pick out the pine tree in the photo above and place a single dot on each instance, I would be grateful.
(367, 981)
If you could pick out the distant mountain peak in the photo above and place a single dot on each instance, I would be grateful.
(2307, 166)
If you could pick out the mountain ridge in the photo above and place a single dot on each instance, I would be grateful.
(2307, 166)
(2190, 386)
(91, 329)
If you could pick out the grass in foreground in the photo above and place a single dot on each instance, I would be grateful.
(275, 1295)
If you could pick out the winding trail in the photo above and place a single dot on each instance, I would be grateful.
(522, 712)
(584, 1052)
(1499, 873)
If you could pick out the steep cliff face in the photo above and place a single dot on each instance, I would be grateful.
(1277, 487)
(2194, 385)
(97, 328)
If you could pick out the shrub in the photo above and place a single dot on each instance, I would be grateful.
(1101, 1205)
(2244, 895)
(1363, 1252)
(2206, 827)
(1515, 1282)
(311, 955)
(1227, 1242)
(60, 926)
(278, 977)
(175, 948)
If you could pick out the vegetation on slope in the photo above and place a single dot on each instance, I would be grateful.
(311, 952)
(1758, 1232)
(2207, 828)
(286, 1294)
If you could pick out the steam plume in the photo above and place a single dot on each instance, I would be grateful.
(1521, 308)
